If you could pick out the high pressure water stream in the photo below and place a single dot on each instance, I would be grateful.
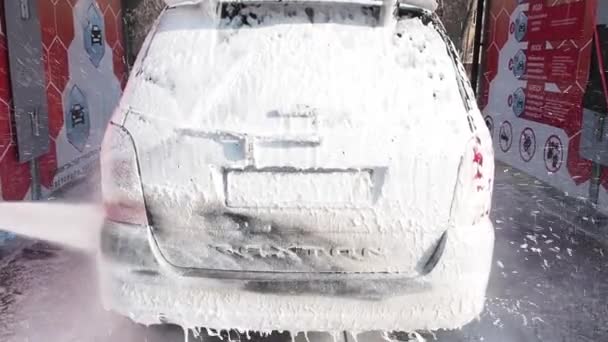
(70, 225)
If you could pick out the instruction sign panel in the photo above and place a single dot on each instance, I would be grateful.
(535, 77)
(547, 21)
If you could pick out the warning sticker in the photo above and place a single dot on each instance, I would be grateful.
(505, 136)
(554, 153)
(527, 144)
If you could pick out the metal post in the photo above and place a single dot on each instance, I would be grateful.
(126, 41)
(36, 192)
(596, 173)
(594, 188)
(596, 167)
(479, 20)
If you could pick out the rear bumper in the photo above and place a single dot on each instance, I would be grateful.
(138, 284)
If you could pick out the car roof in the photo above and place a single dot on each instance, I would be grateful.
(430, 5)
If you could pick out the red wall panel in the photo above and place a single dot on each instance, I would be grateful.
(14, 177)
(61, 53)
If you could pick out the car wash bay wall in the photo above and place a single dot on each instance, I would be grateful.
(542, 92)
(62, 72)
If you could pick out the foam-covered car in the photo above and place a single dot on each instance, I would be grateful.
(297, 165)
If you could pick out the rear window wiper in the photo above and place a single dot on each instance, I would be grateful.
(404, 10)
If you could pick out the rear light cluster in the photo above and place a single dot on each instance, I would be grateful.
(473, 192)
(122, 191)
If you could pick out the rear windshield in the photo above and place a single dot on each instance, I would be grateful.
(339, 57)
(237, 15)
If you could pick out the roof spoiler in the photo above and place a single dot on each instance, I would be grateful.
(429, 5)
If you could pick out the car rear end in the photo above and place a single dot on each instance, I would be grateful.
(297, 166)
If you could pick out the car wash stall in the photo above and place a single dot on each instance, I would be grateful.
(542, 90)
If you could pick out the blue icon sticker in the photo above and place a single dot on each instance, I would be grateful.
(94, 35)
(521, 27)
(77, 119)
(519, 102)
(519, 64)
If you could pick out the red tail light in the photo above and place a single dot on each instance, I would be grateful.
(473, 192)
(120, 178)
